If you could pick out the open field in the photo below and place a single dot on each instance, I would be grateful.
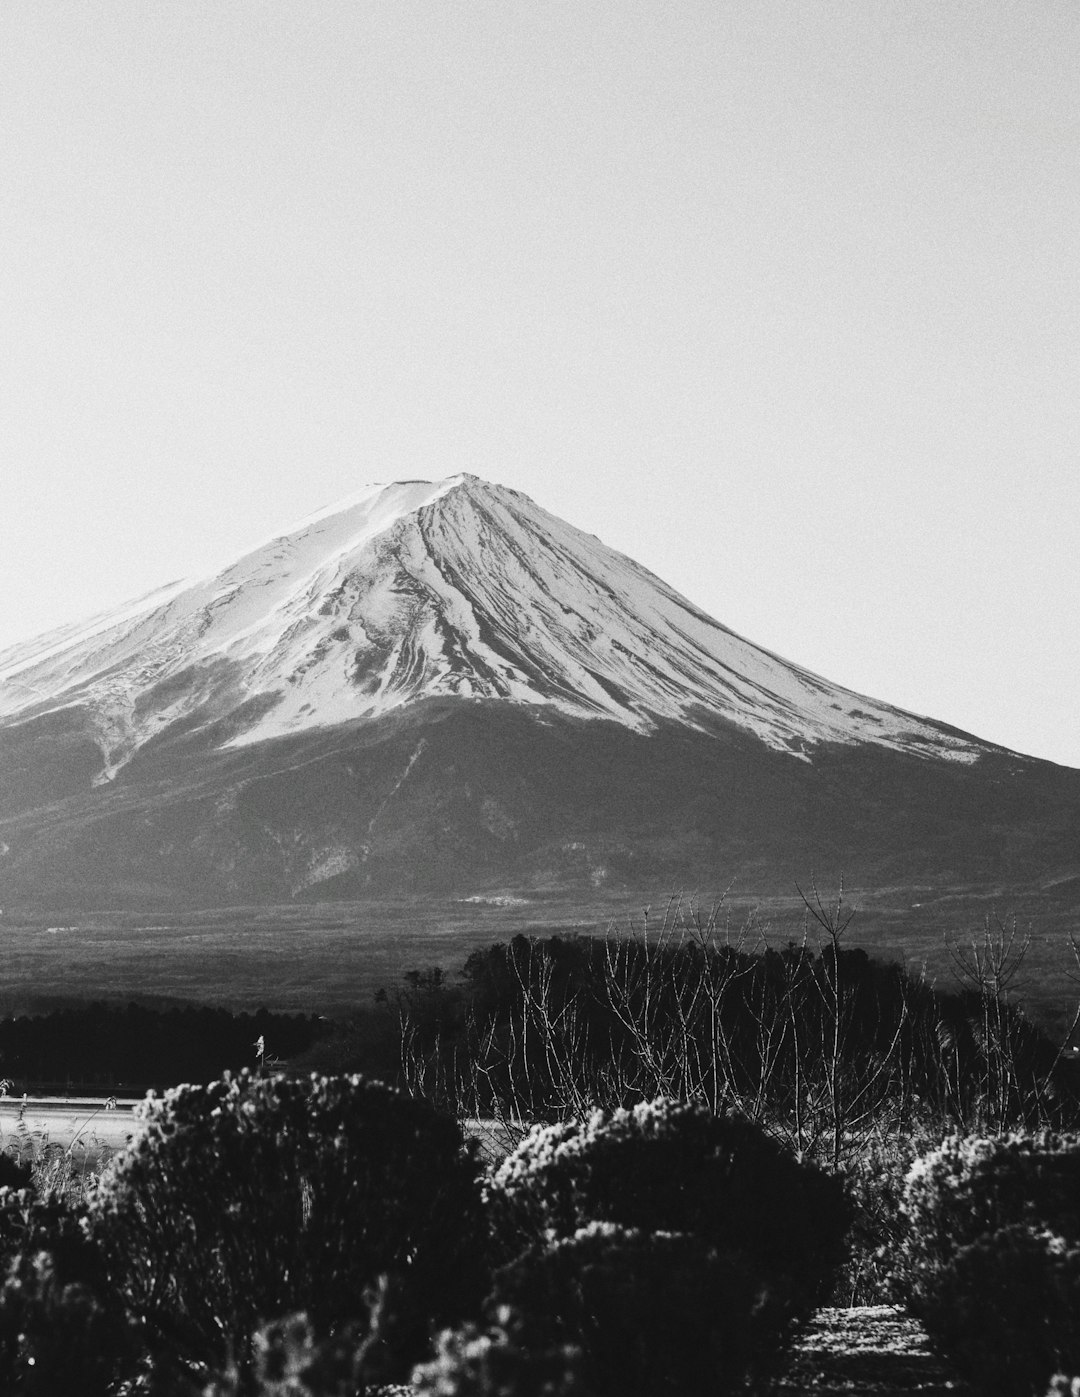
(331, 957)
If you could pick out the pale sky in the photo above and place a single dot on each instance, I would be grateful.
(779, 297)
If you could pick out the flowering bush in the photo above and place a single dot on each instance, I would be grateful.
(669, 1166)
(677, 1248)
(494, 1361)
(59, 1336)
(29, 1224)
(973, 1184)
(991, 1260)
(62, 1325)
(254, 1197)
(652, 1312)
(291, 1360)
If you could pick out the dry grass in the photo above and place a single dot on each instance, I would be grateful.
(66, 1155)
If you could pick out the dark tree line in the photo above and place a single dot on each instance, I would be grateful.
(113, 1046)
(822, 1042)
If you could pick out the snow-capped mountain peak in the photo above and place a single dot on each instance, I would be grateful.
(431, 589)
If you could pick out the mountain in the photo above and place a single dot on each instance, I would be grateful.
(413, 591)
(438, 686)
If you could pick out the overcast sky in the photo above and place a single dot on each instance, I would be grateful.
(779, 297)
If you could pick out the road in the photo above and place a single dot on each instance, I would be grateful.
(65, 1121)
(99, 1122)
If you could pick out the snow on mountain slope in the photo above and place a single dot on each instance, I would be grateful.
(422, 589)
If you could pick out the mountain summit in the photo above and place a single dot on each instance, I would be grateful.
(432, 589)
(436, 687)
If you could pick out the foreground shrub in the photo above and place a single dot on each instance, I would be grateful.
(254, 1198)
(291, 1360)
(875, 1181)
(677, 1248)
(14, 1173)
(652, 1312)
(500, 1360)
(63, 1326)
(30, 1223)
(991, 1262)
(971, 1184)
(59, 1337)
(668, 1166)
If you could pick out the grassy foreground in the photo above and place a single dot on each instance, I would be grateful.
(699, 1138)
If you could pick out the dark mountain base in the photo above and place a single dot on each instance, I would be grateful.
(453, 798)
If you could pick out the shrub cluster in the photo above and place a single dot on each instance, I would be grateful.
(676, 1248)
(672, 1166)
(652, 1312)
(242, 1202)
(291, 1359)
(269, 1236)
(62, 1326)
(306, 1238)
(500, 1359)
(991, 1261)
(253, 1198)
